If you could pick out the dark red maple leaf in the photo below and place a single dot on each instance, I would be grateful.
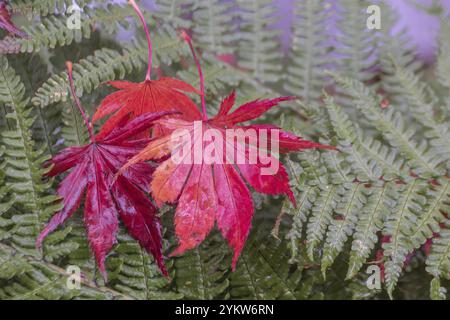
(134, 99)
(93, 168)
(7, 24)
(208, 185)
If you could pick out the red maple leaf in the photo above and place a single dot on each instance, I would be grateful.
(7, 24)
(93, 168)
(135, 99)
(208, 185)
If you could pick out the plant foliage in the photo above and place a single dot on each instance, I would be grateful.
(382, 200)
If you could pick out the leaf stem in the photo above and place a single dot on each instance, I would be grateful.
(188, 39)
(147, 35)
(77, 102)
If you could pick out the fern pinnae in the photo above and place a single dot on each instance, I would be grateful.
(436, 291)
(305, 76)
(6, 200)
(43, 7)
(429, 220)
(438, 261)
(370, 222)
(320, 218)
(422, 104)
(54, 30)
(350, 143)
(399, 45)
(23, 162)
(174, 12)
(356, 44)
(398, 228)
(342, 227)
(201, 273)
(107, 65)
(24, 173)
(391, 125)
(388, 179)
(258, 43)
(33, 70)
(135, 273)
(386, 157)
(369, 158)
(270, 278)
(305, 200)
(30, 278)
(73, 132)
(250, 283)
(214, 25)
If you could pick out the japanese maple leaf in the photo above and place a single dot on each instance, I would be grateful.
(93, 168)
(200, 174)
(135, 99)
(7, 24)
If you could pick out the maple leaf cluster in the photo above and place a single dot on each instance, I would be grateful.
(113, 173)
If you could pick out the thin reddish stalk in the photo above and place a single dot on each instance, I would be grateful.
(188, 39)
(77, 102)
(147, 35)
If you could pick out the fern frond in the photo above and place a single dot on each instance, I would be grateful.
(262, 272)
(213, 26)
(305, 200)
(6, 200)
(398, 227)
(430, 219)
(201, 273)
(106, 65)
(397, 44)
(33, 71)
(50, 33)
(222, 78)
(356, 43)
(342, 225)
(379, 205)
(320, 217)
(438, 261)
(42, 7)
(53, 31)
(24, 277)
(423, 161)
(308, 57)
(137, 275)
(422, 103)
(24, 163)
(258, 44)
(436, 291)
(74, 131)
(369, 159)
(174, 12)
(219, 78)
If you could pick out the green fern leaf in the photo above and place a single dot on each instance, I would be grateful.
(213, 25)
(342, 226)
(106, 65)
(398, 228)
(201, 273)
(258, 45)
(305, 74)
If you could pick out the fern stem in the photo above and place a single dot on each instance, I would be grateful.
(147, 35)
(77, 102)
(188, 40)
